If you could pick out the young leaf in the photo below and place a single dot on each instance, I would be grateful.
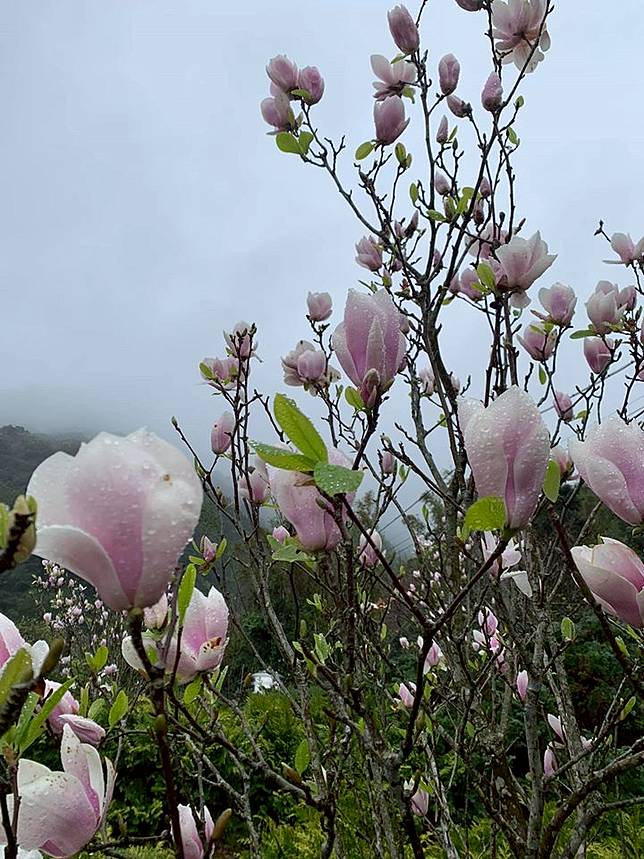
(413, 192)
(192, 691)
(39, 719)
(299, 429)
(552, 481)
(287, 142)
(486, 275)
(305, 139)
(364, 150)
(302, 757)
(543, 376)
(579, 335)
(486, 514)
(186, 589)
(281, 458)
(567, 629)
(336, 479)
(352, 396)
(118, 709)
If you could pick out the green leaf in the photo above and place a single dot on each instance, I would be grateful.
(401, 155)
(364, 150)
(434, 215)
(17, 671)
(186, 589)
(39, 719)
(413, 191)
(486, 514)
(336, 479)
(579, 335)
(221, 548)
(552, 481)
(353, 397)
(543, 376)
(305, 139)
(519, 102)
(299, 429)
(486, 275)
(281, 458)
(100, 658)
(192, 691)
(512, 137)
(626, 709)
(4, 525)
(302, 757)
(118, 709)
(567, 629)
(288, 553)
(96, 709)
(287, 142)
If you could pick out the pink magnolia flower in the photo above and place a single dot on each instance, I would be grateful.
(406, 693)
(563, 406)
(241, 340)
(522, 684)
(611, 462)
(470, 5)
(221, 435)
(11, 641)
(319, 305)
(299, 502)
(517, 26)
(310, 80)
(468, 284)
(492, 95)
(434, 657)
(559, 302)
(449, 70)
(428, 382)
(615, 575)
(369, 343)
(387, 462)
(555, 724)
(537, 342)
(156, 616)
(203, 636)
(389, 119)
(368, 556)
(307, 366)
(603, 307)
(193, 848)
(419, 801)
(283, 73)
(51, 800)
(254, 486)
(66, 713)
(549, 760)
(393, 77)
(522, 262)
(280, 534)
(509, 558)
(118, 514)
(276, 111)
(561, 456)
(508, 448)
(626, 249)
(598, 353)
(208, 549)
(221, 372)
(403, 29)
(369, 254)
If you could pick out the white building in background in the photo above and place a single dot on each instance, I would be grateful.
(262, 681)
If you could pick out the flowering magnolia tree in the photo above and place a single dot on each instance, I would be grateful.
(425, 691)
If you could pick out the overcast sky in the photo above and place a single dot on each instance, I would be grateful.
(143, 208)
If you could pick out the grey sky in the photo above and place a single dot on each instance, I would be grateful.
(143, 209)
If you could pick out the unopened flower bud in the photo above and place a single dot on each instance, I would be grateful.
(492, 95)
(319, 305)
(442, 184)
(443, 131)
(563, 406)
(403, 29)
(280, 534)
(458, 107)
(283, 73)
(220, 437)
(449, 70)
(310, 80)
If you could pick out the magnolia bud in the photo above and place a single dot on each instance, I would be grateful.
(443, 131)
(449, 70)
(563, 406)
(311, 80)
(319, 305)
(470, 5)
(280, 534)
(387, 462)
(458, 107)
(441, 183)
(598, 353)
(492, 94)
(389, 119)
(485, 189)
(403, 29)
(283, 73)
(220, 437)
